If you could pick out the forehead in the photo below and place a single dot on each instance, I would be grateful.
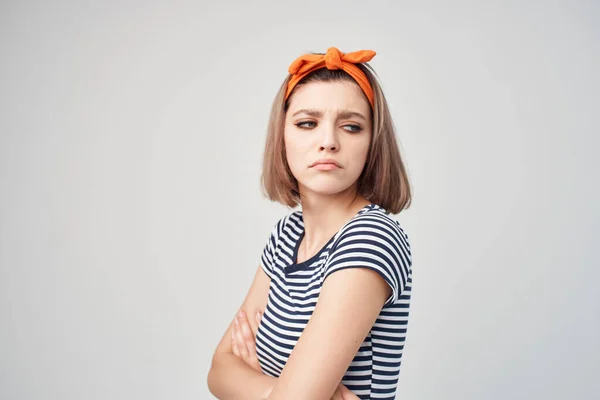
(333, 95)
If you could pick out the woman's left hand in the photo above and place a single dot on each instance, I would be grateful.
(343, 393)
(243, 340)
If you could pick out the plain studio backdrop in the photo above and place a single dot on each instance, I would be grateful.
(132, 220)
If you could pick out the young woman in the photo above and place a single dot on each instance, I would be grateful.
(326, 315)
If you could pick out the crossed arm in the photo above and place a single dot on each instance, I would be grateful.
(348, 305)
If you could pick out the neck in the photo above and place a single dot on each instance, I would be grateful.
(323, 216)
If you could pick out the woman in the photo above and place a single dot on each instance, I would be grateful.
(334, 279)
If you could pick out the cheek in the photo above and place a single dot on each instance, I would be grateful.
(295, 143)
(292, 150)
(360, 151)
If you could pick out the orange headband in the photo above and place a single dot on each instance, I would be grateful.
(333, 59)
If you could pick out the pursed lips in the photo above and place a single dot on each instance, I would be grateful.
(326, 164)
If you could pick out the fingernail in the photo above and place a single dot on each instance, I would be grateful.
(258, 316)
(241, 314)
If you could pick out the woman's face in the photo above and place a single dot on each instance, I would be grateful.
(327, 135)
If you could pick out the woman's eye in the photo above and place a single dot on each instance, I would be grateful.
(306, 124)
(352, 128)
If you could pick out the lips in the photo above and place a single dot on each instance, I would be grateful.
(325, 167)
(326, 163)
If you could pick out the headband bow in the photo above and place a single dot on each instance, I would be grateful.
(333, 59)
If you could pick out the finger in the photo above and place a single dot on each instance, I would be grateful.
(234, 345)
(239, 339)
(251, 316)
(347, 394)
(250, 343)
(249, 340)
(257, 318)
(337, 395)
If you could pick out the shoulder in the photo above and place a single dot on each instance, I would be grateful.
(374, 225)
(286, 225)
(374, 240)
(279, 240)
(285, 231)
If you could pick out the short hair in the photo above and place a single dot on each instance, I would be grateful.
(383, 181)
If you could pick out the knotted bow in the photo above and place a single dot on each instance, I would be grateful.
(333, 59)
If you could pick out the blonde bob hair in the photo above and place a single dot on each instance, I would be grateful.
(383, 181)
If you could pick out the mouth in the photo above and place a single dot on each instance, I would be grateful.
(325, 165)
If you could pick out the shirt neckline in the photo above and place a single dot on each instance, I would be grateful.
(295, 266)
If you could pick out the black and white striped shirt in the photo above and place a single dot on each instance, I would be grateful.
(371, 239)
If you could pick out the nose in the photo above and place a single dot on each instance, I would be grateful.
(330, 139)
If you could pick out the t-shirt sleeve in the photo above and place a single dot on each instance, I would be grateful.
(267, 258)
(377, 243)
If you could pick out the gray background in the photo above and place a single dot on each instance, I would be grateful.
(131, 219)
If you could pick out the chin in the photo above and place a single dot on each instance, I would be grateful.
(327, 188)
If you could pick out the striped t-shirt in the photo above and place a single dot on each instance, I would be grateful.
(371, 239)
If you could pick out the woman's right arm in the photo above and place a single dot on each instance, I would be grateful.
(229, 376)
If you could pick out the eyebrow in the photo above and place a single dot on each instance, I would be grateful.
(343, 114)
